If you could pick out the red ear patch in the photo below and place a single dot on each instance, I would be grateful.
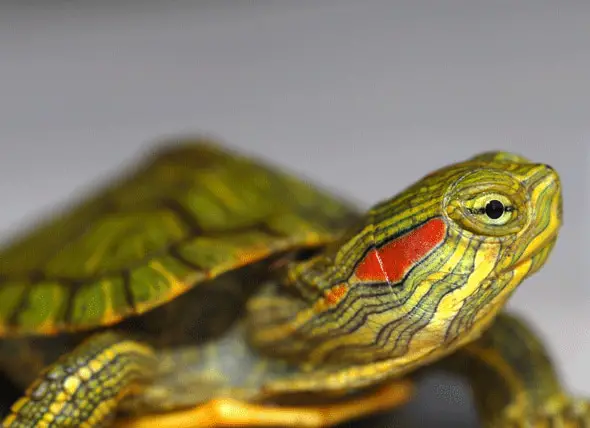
(392, 261)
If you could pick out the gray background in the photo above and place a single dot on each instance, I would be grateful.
(363, 97)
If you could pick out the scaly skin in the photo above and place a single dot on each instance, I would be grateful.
(420, 277)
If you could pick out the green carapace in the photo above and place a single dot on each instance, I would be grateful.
(208, 289)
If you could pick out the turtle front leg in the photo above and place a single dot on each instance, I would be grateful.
(514, 382)
(83, 388)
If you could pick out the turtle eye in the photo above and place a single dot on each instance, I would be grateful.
(490, 214)
(493, 210)
(488, 203)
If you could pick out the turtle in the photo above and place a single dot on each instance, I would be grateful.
(210, 288)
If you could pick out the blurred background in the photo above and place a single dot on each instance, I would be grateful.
(362, 97)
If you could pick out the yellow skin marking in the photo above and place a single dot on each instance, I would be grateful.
(71, 384)
(336, 330)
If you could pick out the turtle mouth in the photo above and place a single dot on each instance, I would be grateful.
(544, 246)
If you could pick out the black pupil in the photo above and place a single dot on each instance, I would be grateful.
(494, 209)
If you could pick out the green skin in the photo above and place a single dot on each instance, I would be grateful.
(198, 319)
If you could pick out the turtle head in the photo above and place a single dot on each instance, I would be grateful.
(427, 270)
(509, 207)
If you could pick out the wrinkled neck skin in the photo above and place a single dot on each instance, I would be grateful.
(418, 277)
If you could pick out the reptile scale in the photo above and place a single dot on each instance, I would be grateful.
(209, 289)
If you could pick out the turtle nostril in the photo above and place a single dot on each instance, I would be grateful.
(549, 167)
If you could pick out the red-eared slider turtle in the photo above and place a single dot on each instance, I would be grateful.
(208, 289)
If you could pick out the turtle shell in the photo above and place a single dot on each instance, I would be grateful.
(189, 213)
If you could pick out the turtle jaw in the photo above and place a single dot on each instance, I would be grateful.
(502, 284)
(535, 260)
